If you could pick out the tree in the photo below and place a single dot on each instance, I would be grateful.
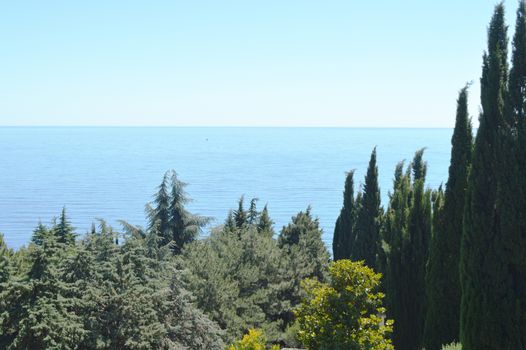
(443, 280)
(36, 312)
(406, 238)
(63, 229)
(5, 256)
(487, 312)
(240, 215)
(169, 217)
(345, 313)
(253, 340)
(367, 244)
(344, 229)
(306, 254)
(240, 281)
(265, 223)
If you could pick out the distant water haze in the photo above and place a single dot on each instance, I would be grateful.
(112, 172)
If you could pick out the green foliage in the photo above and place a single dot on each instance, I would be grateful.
(175, 225)
(99, 294)
(5, 257)
(239, 281)
(452, 346)
(406, 236)
(253, 340)
(63, 229)
(306, 253)
(492, 265)
(367, 243)
(344, 229)
(443, 280)
(345, 313)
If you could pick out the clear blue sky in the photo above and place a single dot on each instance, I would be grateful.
(247, 62)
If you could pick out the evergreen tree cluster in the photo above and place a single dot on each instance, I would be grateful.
(97, 293)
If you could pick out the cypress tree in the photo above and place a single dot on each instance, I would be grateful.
(485, 304)
(406, 234)
(416, 255)
(344, 230)
(367, 242)
(443, 280)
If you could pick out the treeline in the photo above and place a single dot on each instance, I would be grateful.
(454, 261)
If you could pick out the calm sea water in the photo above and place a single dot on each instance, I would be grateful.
(111, 173)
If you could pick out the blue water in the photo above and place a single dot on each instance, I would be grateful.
(111, 173)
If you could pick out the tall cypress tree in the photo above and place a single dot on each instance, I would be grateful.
(443, 280)
(417, 254)
(344, 230)
(511, 200)
(406, 234)
(367, 242)
(484, 321)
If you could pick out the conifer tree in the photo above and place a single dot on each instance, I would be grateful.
(240, 215)
(253, 214)
(443, 280)
(511, 195)
(344, 229)
(175, 225)
(63, 229)
(485, 303)
(159, 216)
(5, 255)
(265, 223)
(367, 243)
(406, 234)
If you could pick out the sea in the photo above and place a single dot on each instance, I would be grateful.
(111, 173)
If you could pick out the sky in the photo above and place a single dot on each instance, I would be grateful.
(241, 63)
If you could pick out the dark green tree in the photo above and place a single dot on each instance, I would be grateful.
(487, 315)
(168, 216)
(63, 229)
(5, 257)
(367, 243)
(265, 223)
(240, 215)
(159, 215)
(406, 236)
(36, 312)
(443, 280)
(344, 229)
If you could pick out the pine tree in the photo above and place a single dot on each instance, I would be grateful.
(485, 304)
(5, 256)
(63, 229)
(265, 223)
(367, 243)
(240, 215)
(253, 214)
(344, 229)
(159, 216)
(175, 225)
(37, 314)
(443, 280)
